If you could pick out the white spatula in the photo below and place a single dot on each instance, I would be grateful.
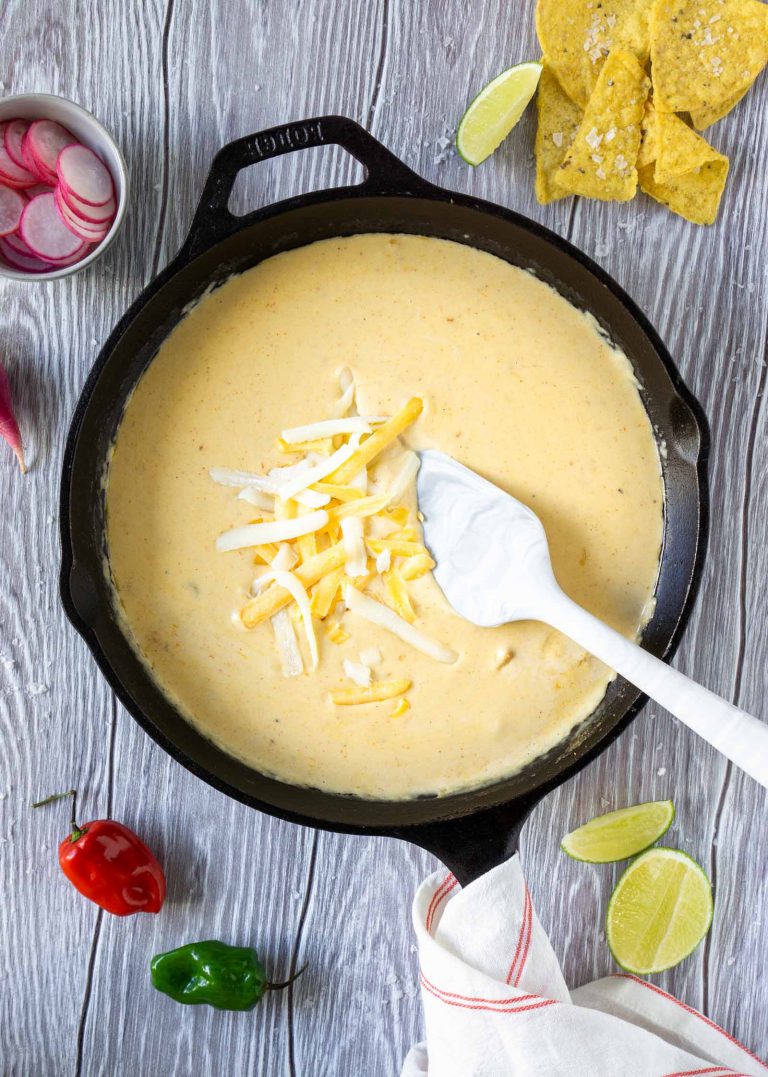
(493, 566)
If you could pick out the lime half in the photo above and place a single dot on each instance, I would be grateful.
(617, 835)
(659, 911)
(495, 111)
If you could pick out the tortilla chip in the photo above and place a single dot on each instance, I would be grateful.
(559, 121)
(601, 162)
(680, 169)
(577, 35)
(706, 53)
(705, 117)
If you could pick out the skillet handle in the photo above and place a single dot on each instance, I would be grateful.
(471, 845)
(385, 173)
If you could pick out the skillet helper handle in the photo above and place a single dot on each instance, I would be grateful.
(385, 173)
(735, 734)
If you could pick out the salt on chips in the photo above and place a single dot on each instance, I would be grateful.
(578, 35)
(680, 169)
(558, 122)
(705, 54)
(601, 162)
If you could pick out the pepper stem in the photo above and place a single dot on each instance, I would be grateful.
(76, 831)
(282, 986)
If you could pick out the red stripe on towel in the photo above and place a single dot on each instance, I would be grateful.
(442, 892)
(488, 1005)
(695, 1013)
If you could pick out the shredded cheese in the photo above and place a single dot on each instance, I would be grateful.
(324, 594)
(384, 617)
(275, 598)
(329, 428)
(277, 531)
(362, 506)
(291, 583)
(307, 476)
(379, 440)
(397, 547)
(347, 398)
(339, 493)
(416, 567)
(263, 501)
(323, 446)
(354, 546)
(357, 672)
(383, 561)
(406, 473)
(287, 644)
(336, 633)
(398, 593)
(400, 708)
(285, 558)
(371, 657)
(375, 693)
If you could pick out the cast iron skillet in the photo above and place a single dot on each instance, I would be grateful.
(470, 831)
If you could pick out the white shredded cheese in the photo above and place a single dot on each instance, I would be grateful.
(294, 585)
(287, 644)
(384, 617)
(358, 673)
(405, 476)
(257, 498)
(275, 531)
(310, 499)
(384, 561)
(370, 657)
(224, 476)
(285, 558)
(303, 479)
(329, 428)
(352, 533)
(347, 398)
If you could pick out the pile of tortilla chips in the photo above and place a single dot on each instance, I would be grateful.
(624, 84)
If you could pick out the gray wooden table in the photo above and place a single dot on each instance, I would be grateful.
(174, 81)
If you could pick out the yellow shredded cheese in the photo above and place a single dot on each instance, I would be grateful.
(275, 597)
(339, 493)
(324, 446)
(362, 506)
(400, 708)
(398, 594)
(336, 633)
(325, 592)
(379, 440)
(375, 693)
(418, 565)
(397, 547)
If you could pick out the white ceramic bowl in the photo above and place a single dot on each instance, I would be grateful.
(86, 128)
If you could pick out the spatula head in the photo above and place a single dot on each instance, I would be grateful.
(492, 559)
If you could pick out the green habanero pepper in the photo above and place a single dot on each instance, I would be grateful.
(213, 973)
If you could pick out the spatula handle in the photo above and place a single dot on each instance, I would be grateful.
(737, 735)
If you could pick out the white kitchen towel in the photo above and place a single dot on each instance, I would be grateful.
(496, 1003)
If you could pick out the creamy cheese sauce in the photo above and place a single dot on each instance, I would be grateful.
(517, 384)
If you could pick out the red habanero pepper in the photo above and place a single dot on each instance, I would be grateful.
(110, 865)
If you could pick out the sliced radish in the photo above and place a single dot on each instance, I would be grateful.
(13, 239)
(44, 232)
(39, 188)
(31, 162)
(81, 228)
(13, 138)
(96, 216)
(44, 142)
(10, 173)
(85, 175)
(12, 205)
(26, 262)
(80, 253)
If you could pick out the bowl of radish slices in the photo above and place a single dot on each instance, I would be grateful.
(63, 187)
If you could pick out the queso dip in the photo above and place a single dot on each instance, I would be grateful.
(515, 383)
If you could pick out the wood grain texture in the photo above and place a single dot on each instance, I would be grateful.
(175, 79)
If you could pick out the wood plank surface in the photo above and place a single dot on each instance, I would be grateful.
(175, 80)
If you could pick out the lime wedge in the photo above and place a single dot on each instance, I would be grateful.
(659, 911)
(495, 111)
(617, 835)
